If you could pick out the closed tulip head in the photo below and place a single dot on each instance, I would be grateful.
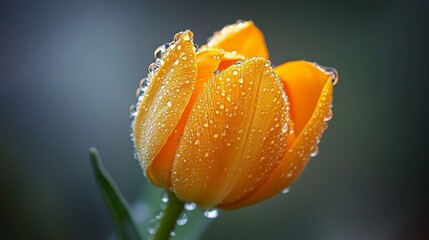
(219, 126)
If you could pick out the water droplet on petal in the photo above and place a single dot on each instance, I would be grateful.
(169, 104)
(332, 71)
(186, 37)
(211, 213)
(329, 115)
(315, 151)
(159, 51)
(132, 108)
(285, 190)
(334, 75)
(152, 68)
(285, 128)
(144, 82)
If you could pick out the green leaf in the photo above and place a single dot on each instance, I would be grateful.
(125, 227)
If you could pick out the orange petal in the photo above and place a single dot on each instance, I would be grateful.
(229, 58)
(304, 82)
(160, 170)
(243, 37)
(226, 58)
(297, 156)
(234, 137)
(164, 101)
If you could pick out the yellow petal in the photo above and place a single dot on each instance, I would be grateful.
(297, 156)
(234, 137)
(164, 101)
(243, 37)
(159, 172)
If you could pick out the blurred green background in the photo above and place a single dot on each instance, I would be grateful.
(69, 71)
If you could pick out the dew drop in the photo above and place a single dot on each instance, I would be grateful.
(241, 80)
(182, 220)
(334, 75)
(172, 233)
(235, 72)
(159, 215)
(186, 37)
(285, 128)
(132, 108)
(144, 82)
(211, 213)
(285, 190)
(315, 151)
(166, 45)
(332, 71)
(190, 206)
(159, 51)
(136, 156)
(152, 226)
(197, 142)
(169, 104)
(329, 115)
(164, 197)
(152, 68)
(139, 92)
(206, 125)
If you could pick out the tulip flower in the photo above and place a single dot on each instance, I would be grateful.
(220, 126)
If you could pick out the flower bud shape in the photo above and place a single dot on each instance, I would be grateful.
(220, 127)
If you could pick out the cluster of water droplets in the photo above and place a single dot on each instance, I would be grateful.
(159, 55)
(152, 70)
(153, 224)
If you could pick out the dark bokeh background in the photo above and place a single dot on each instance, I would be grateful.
(68, 72)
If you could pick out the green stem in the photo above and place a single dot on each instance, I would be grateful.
(169, 218)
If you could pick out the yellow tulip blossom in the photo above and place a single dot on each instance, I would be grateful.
(219, 126)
